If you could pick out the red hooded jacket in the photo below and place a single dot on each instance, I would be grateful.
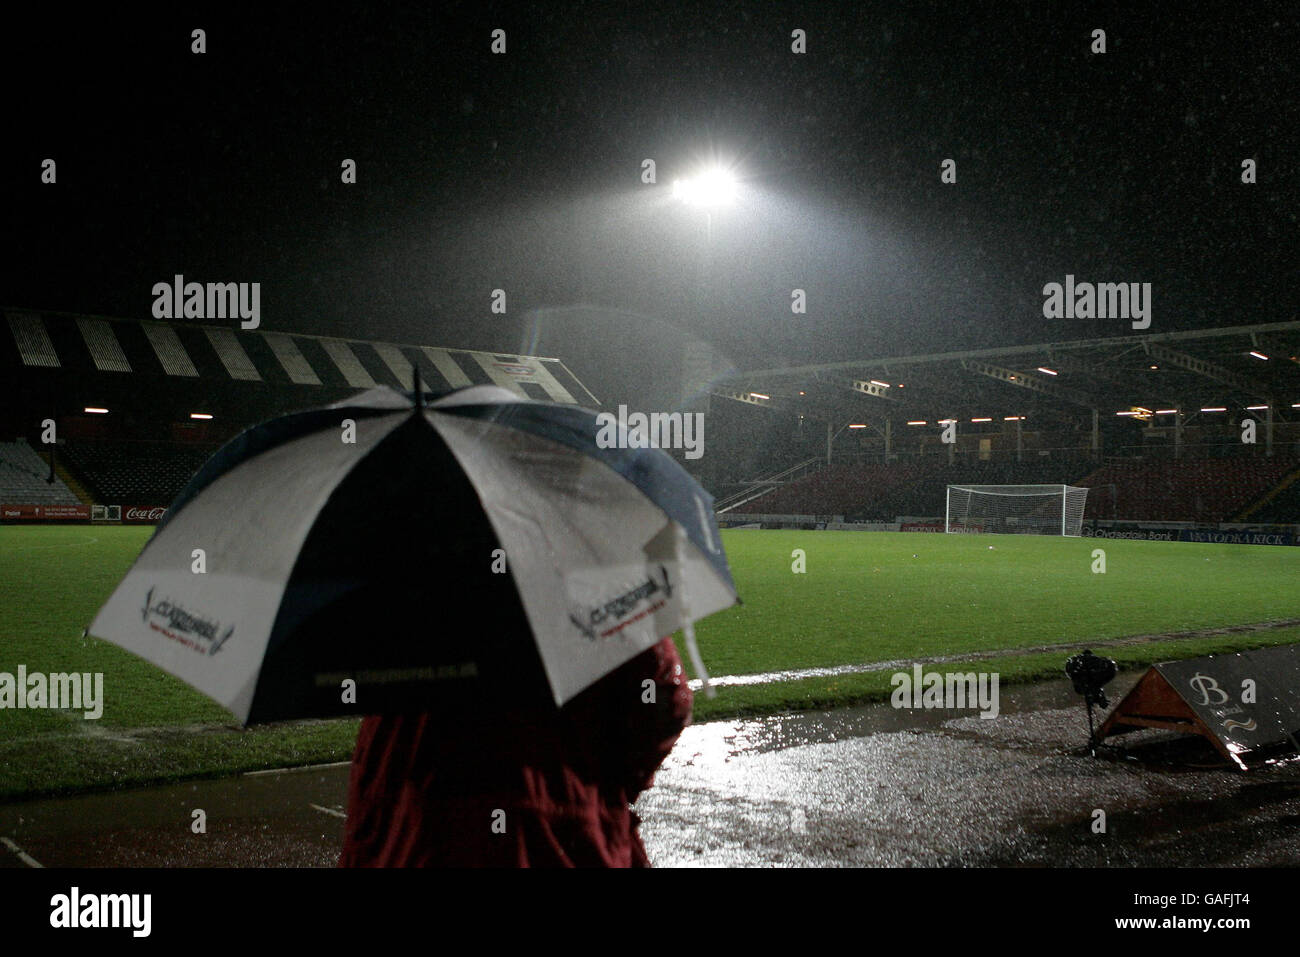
(518, 790)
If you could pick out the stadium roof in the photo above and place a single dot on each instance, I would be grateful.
(40, 340)
(1235, 368)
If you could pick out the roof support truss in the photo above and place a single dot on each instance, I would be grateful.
(1011, 377)
(1203, 367)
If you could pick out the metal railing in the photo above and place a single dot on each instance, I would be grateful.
(767, 483)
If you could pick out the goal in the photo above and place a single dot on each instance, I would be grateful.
(1015, 509)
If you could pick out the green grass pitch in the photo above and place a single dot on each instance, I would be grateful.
(862, 597)
(871, 596)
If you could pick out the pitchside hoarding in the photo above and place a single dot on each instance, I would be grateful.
(45, 513)
(1236, 536)
(131, 515)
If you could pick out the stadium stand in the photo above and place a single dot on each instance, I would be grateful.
(882, 492)
(23, 475)
(925, 494)
(1208, 490)
(1281, 506)
(140, 473)
(835, 490)
(1092, 412)
(140, 405)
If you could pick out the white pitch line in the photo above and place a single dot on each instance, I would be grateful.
(22, 855)
(304, 767)
(328, 810)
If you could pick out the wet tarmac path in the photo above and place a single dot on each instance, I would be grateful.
(870, 786)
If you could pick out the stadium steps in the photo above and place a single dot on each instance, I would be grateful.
(73, 483)
(1273, 493)
(1084, 482)
(766, 484)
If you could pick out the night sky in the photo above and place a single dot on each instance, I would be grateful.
(523, 171)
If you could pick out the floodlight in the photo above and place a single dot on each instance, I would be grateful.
(713, 187)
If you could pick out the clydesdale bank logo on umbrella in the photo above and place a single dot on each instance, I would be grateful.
(193, 631)
(629, 607)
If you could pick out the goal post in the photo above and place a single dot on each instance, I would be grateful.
(1015, 509)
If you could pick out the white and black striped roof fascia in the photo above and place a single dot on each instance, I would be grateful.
(182, 349)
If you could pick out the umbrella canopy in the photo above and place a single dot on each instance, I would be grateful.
(379, 555)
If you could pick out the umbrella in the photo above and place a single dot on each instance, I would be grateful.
(383, 555)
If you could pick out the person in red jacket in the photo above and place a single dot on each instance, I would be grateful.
(518, 789)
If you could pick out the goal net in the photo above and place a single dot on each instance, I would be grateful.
(1015, 509)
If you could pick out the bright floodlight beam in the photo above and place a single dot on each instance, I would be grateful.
(714, 187)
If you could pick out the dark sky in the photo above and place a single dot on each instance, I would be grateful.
(522, 171)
